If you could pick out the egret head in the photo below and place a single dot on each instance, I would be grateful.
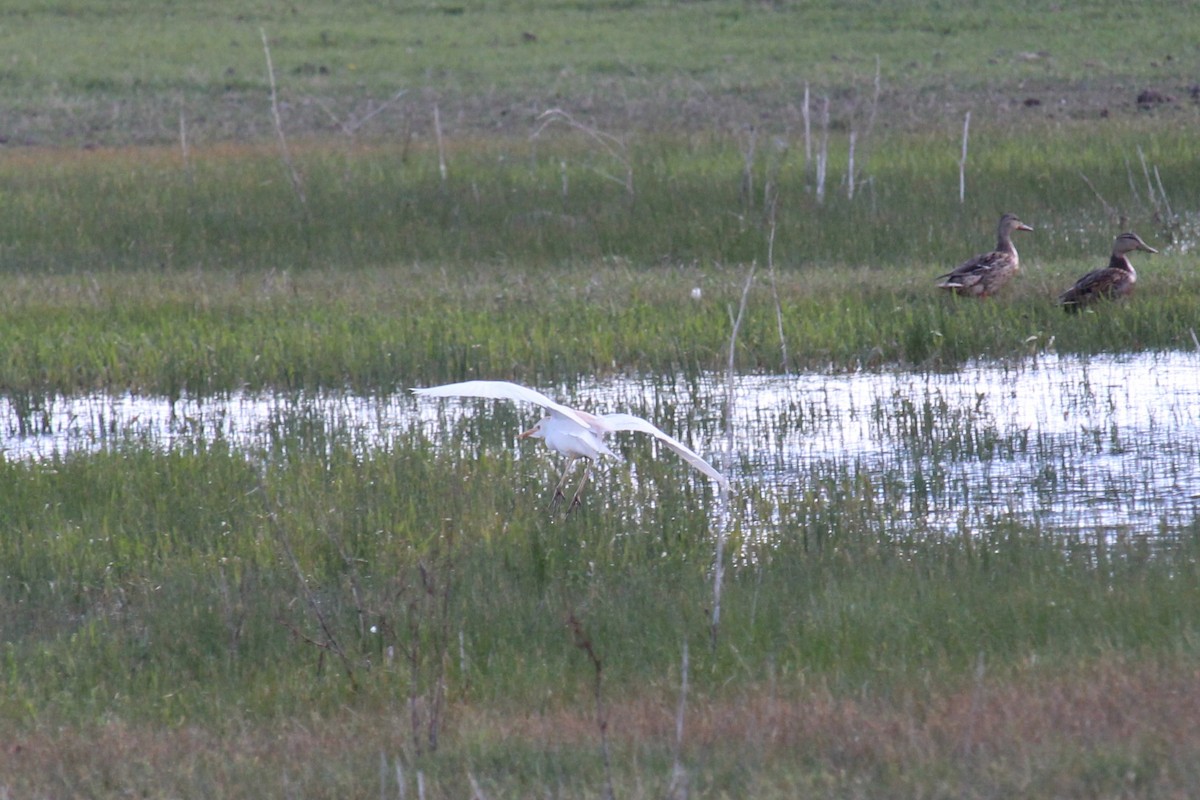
(538, 431)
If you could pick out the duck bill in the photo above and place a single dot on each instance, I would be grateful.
(1146, 247)
(1024, 227)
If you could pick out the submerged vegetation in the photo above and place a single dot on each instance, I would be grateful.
(331, 614)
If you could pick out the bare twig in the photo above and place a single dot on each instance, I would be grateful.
(297, 185)
(1109, 210)
(615, 148)
(233, 608)
(585, 644)
(330, 643)
(351, 127)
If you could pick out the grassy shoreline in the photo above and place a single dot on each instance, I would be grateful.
(208, 276)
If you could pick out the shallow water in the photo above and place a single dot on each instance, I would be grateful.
(1103, 444)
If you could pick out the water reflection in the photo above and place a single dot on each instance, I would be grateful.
(1111, 443)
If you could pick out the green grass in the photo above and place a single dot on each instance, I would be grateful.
(210, 276)
(123, 71)
(455, 564)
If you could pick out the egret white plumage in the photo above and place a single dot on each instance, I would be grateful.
(574, 433)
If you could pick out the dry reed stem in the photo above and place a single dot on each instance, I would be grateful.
(962, 161)
(297, 184)
(441, 142)
(823, 154)
(723, 528)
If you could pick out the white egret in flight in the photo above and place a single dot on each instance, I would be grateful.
(574, 433)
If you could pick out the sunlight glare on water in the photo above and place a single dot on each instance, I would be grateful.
(1104, 443)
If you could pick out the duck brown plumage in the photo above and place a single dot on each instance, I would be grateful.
(982, 275)
(1110, 283)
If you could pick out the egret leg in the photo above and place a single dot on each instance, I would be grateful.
(575, 501)
(558, 490)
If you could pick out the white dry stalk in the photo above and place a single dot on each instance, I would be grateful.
(183, 142)
(823, 155)
(851, 180)
(1163, 194)
(462, 652)
(297, 185)
(679, 714)
(441, 145)
(1155, 190)
(771, 182)
(1146, 172)
(723, 532)
(850, 167)
(805, 112)
(774, 285)
(1137, 198)
(748, 168)
(476, 791)
(875, 98)
(962, 162)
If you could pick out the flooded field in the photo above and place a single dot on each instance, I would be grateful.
(1105, 445)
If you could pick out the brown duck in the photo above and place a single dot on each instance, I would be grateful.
(982, 275)
(1113, 282)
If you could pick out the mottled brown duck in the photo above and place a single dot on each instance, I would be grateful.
(1110, 283)
(982, 275)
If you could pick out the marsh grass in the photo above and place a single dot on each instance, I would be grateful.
(109, 557)
(211, 278)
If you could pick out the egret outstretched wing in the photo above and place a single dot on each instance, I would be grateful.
(628, 422)
(504, 390)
